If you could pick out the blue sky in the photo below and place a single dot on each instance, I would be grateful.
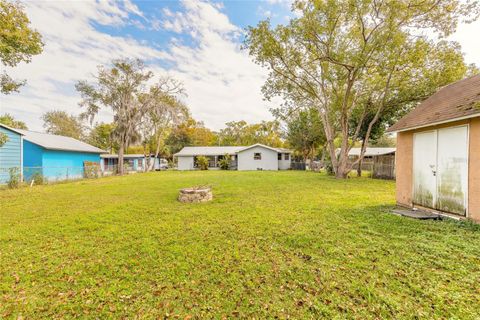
(196, 42)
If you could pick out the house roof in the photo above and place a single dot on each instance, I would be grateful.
(125, 156)
(266, 147)
(456, 101)
(214, 151)
(56, 142)
(207, 151)
(369, 152)
(11, 129)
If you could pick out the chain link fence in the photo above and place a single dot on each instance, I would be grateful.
(13, 176)
(377, 169)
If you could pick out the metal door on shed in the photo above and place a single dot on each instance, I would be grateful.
(440, 168)
(424, 167)
(452, 170)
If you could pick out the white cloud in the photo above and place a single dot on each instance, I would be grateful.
(73, 50)
(467, 35)
(222, 83)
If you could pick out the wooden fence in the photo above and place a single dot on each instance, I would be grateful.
(384, 167)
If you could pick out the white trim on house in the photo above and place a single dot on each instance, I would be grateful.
(21, 157)
(11, 129)
(437, 123)
(264, 146)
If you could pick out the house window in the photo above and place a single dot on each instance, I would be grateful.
(279, 156)
(287, 156)
(257, 156)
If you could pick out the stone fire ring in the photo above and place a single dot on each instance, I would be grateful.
(195, 194)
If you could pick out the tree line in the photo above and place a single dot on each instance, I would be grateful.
(346, 70)
(361, 64)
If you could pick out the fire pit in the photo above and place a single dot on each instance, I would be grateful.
(195, 194)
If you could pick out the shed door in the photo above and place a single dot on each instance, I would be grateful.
(440, 169)
(424, 168)
(452, 173)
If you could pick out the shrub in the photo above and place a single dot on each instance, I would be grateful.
(38, 179)
(15, 178)
(202, 163)
(90, 169)
(224, 163)
(329, 168)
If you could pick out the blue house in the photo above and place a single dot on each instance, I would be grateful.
(10, 152)
(56, 157)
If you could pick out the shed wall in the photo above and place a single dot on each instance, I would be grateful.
(404, 165)
(269, 159)
(32, 160)
(10, 154)
(62, 165)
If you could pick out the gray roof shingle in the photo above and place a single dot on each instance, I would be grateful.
(55, 142)
(458, 100)
(221, 150)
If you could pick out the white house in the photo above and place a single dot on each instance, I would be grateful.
(254, 157)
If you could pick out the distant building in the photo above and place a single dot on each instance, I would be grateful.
(370, 153)
(131, 162)
(10, 152)
(53, 157)
(254, 157)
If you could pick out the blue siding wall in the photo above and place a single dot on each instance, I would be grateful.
(32, 159)
(10, 154)
(61, 165)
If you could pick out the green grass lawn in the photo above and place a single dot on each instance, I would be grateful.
(286, 244)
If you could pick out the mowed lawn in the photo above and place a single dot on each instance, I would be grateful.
(271, 244)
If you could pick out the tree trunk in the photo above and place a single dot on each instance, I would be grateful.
(342, 170)
(359, 168)
(157, 152)
(120, 168)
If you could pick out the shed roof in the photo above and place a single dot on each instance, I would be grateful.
(126, 156)
(56, 142)
(370, 152)
(11, 129)
(455, 101)
(221, 150)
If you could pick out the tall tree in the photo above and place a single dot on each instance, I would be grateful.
(121, 87)
(101, 136)
(8, 120)
(304, 132)
(189, 133)
(61, 123)
(163, 113)
(351, 58)
(240, 133)
(18, 42)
